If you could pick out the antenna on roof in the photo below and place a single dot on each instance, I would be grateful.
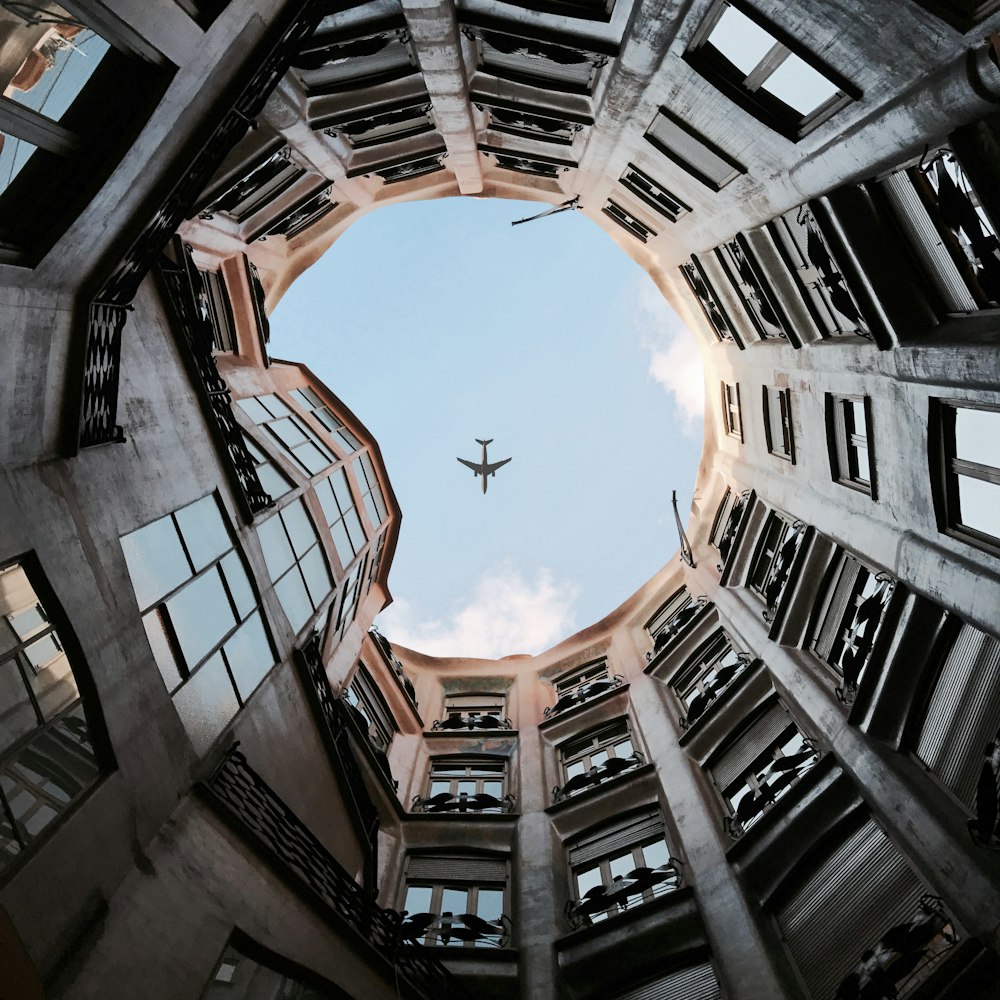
(566, 206)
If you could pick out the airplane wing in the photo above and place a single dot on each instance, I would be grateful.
(472, 465)
(493, 466)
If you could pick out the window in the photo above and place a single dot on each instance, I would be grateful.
(201, 615)
(372, 126)
(757, 768)
(363, 695)
(309, 400)
(47, 760)
(595, 756)
(727, 528)
(581, 677)
(295, 562)
(530, 122)
(456, 901)
(731, 417)
(709, 302)
(710, 672)
(692, 152)
(849, 435)
(293, 437)
(259, 185)
(853, 607)
(761, 306)
(341, 515)
(308, 210)
(960, 729)
(69, 94)
(671, 619)
(619, 867)
(970, 455)
(371, 492)
(474, 711)
(778, 422)
(274, 484)
(349, 602)
(629, 222)
(772, 564)
(653, 193)
(788, 90)
(214, 306)
(459, 785)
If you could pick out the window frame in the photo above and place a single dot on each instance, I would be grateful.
(492, 769)
(732, 411)
(775, 396)
(845, 443)
(605, 738)
(653, 193)
(369, 703)
(692, 679)
(747, 89)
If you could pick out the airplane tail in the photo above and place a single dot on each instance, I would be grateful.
(484, 443)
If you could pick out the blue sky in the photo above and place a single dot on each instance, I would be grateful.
(437, 323)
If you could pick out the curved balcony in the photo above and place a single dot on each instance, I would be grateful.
(479, 802)
(610, 769)
(472, 721)
(459, 928)
(713, 687)
(616, 895)
(903, 957)
(583, 692)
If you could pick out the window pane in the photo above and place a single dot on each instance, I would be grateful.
(587, 879)
(239, 584)
(490, 905)
(294, 599)
(601, 757)
(27, 621)
(656, 854)
(162, 652)
(622, 864)
(317, 575)
(277, 551)
(54, 684)
(418, 899)
(17, 715)
(156, 561)
(201, 616)
(342, 543)
(299, 527)
(800, 86)
(206, 703)
(980, 505)
(354, 529)
(42, 650)
(204, 531)
(288, 432)
(454, 900)
(743, 42)
(249, 655)
(312, 458)
(254, 410)
(14, 154)
(977, 436)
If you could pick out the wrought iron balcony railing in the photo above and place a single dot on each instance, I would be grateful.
(603, 772)
(860, 634)
(985, 825)
(480, 802)
(583, 692)
(473, 720)
(456, 928)
(733, 529)
(771, 783)
(286, 842)
(903, 957)
(385, 647)
(781, 570)
(620, 893)
(676, 627)
(712, 685)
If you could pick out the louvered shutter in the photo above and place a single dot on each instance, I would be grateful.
(858, 893)
(432, 868)
(739, 756)
(607, 842)
(695, 983)
(964, 712)
(840, 596)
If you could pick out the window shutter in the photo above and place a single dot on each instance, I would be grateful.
(738, 757)
(840, 595)
(434, 868)
(695, 983)
(607, 841)
(855, 896)
(964, 712)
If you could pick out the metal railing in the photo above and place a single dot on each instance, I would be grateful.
(619, 893)
(583, 693)
(781, 569)
(445, 928)
(713, 686)
(462, 802)
(473, 720)
(602, 772)
(677, 625)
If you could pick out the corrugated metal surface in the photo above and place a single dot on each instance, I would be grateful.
(737, 759)
(963, 713)
(449, 869)
(606, 842)
(842, 587)
(695, 983)
(855, 896)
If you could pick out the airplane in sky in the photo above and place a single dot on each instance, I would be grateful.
(484, 468)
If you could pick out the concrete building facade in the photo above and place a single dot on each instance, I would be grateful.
(771, 772)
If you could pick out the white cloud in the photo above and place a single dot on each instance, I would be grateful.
(674, 358)
(505, 613)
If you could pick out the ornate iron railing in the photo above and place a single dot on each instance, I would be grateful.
(583, 693)
(734, 526)
(602, 772)
(859, 636)
(443, 928)
(984, 827)
(109, 308)
(903, 957)
(713, 686)
(618, 894)
(263, 818)
(390, 657)
(676, 627)
(196, 334)
(781, 569)
(473, 720)
(445, 802)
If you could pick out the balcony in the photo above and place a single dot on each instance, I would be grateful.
(446, 802)
(713, 684)
(603, 772)
(471, 721)
(617, 895)
(903, 957)
(733, 530)
(781, 570)
(464, 929)
(582, 693)
(385, 648)
(676, 627)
